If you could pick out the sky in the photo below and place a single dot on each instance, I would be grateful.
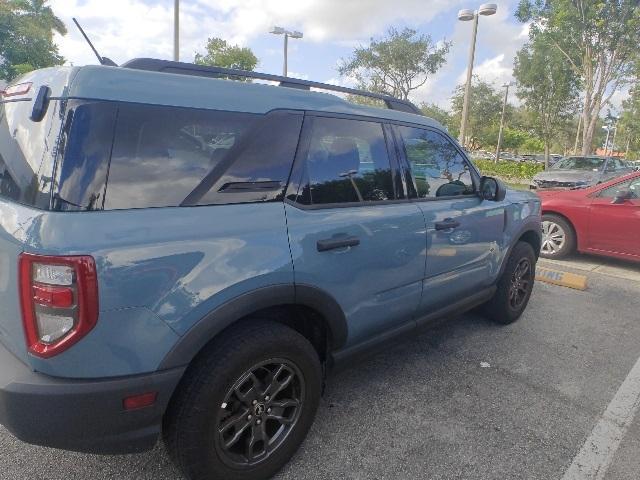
(126, 29)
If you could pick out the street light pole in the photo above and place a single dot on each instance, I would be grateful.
(287, 34)
(285, 69)
(176, 30)
(465, 15)
(606, 142)
(467, 87)
(504, 108)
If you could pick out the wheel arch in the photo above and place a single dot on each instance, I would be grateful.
(307, 309)
(529, 233)
(569, 222)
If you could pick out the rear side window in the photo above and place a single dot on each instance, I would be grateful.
(437, 167)
(347, 161)
(26, 153)
(122, 156)
(161, 154)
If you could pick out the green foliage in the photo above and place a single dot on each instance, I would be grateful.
(395, 65)
(509, 170)
(26, 37)
(485, 109)
(431, 110)
(532, 145)
(219, 53)
(629, 125)
(598, 40)
(548, 88)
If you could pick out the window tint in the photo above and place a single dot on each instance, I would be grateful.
(161, 154)
(85, 146)
(347, 161)
(437, 167)
(26, 153)
(257, 168)
(633, 185)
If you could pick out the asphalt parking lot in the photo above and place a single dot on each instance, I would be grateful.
(464, 400)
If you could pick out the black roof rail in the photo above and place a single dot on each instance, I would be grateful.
(168, 66)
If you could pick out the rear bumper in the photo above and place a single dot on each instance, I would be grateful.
(81, 415)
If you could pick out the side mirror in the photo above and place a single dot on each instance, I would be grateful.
(492, 189)
(622, 196)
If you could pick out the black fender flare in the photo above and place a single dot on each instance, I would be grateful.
(203, 331)
(532, 226)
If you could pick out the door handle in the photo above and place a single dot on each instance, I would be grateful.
(337, 241)
(447, 224)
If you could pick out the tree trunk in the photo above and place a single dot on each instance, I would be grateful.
(546, 154)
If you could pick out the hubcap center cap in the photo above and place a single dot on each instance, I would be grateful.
(259, 409)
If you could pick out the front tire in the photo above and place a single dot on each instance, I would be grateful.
(514, 287)
(246, 404)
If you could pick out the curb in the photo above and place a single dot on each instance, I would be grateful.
(564, 279)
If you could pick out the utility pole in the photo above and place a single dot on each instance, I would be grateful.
(504, 109)
(176, 30)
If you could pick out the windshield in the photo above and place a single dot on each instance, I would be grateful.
(580, 163)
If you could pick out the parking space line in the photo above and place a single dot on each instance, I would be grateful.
(597, 453)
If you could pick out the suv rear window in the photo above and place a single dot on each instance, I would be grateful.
(26, 163)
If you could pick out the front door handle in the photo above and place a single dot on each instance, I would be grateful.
(447, 224)
(339, 240)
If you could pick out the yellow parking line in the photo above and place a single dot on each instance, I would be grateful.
(565, 279)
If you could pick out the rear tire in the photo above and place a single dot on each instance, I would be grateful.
(514, 287)
(558, 237)
(245, 405)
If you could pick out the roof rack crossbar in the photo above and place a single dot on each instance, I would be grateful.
(168, 66)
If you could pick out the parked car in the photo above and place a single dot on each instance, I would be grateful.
(602, 219)
(188, 257)
(483, 155)
(579, 172)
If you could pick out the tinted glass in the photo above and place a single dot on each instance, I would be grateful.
(258, 167)
(437, 167)
(580, 163)
(85, 146)
(347, 162)
(632, 185)
(26, 153)
(161, 154)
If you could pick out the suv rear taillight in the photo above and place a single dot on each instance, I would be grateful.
(59, 300)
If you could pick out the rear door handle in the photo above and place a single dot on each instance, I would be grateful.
(447, 224)
(337, 241)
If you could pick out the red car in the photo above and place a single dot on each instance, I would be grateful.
(603, 219)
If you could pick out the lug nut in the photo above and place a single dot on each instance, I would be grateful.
(255, 402)
(258, 422)
(249, 417)
(266, 399)
(268, 410)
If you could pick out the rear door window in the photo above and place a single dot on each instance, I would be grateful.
(347, 161)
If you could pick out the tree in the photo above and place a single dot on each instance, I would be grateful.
(432, 110)
(397, 64)
(26, 37)
(629, 124)
(597, 39)
(222, 54)
(485, 108)
(548, 88)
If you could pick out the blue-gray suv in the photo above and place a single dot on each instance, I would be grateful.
(186, 256)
